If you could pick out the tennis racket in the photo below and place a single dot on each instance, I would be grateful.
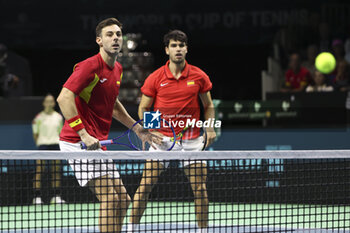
(131, 140)
(202, 143)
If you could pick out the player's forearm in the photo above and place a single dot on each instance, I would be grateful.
(145, 105)
(66, 102)
(209, 112)
(141, 110)
(121, 115)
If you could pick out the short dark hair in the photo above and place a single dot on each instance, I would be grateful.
(176, 35)
(105, 23)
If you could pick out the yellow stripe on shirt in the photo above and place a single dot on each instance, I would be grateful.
(86, 93)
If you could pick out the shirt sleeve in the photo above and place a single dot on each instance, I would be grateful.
(206, 84)
(35, 125)
(148, 87)
(83, 74)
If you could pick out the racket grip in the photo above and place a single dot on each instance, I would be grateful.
(106, 142)
(82, 146)
(102, 143)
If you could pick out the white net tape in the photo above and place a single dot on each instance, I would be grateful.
(263, 154)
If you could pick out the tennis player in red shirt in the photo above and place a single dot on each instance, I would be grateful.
(297, 77)
(174, 90)
(88, 101)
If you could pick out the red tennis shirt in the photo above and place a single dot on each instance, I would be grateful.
(96, 86)
(294, 80)
(177, 99)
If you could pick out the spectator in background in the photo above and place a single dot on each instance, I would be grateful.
(15, 75)
(339, 78)
(8, 81)
(297, 77)
(338, 50)
(311, 54)
(47, 126)
(347, 50)
(319, 83)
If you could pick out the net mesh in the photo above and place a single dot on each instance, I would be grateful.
(218, 191)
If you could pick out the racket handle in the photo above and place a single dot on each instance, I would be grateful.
(102, 143)
(106, 142)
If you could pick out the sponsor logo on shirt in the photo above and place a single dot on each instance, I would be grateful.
(163, 84)
(190, 83)
(103, 80)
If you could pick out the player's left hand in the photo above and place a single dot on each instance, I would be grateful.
(149, 137)
(211, 135)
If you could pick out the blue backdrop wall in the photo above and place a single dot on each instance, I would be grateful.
(19, 137)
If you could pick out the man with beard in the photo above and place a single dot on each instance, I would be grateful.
(88, 101)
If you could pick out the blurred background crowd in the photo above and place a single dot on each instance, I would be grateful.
(232, 41)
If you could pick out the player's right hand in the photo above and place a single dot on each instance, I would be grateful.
(90, 142)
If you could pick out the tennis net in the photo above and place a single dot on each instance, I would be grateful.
(210, 191)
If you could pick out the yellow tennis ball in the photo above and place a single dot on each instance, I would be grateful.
(325, 62)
